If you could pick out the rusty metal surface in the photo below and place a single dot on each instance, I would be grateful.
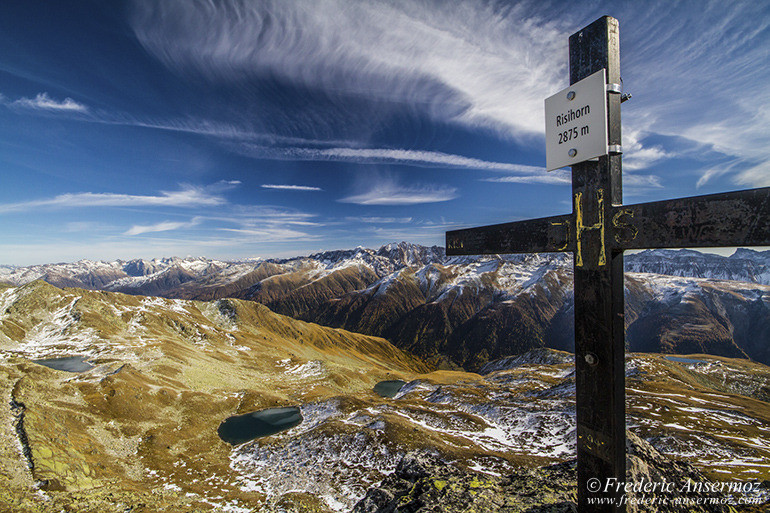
(739, 218)
(548, 234)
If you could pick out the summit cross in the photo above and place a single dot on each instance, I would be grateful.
(597, 232)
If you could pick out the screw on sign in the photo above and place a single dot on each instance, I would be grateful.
(597, 232)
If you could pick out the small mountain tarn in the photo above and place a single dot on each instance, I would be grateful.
(250, 426)
(389, 388)
(67, 363)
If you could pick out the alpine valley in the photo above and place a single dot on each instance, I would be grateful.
(166, 350)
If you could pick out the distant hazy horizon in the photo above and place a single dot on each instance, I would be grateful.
(726, 252)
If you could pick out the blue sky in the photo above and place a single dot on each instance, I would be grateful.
(231, 129)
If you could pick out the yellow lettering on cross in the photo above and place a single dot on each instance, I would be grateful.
(581, 227)
(620, 225)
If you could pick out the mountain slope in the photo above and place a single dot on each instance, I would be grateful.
(138, 430)
(166, 373)
(462, 312)
(743, 265)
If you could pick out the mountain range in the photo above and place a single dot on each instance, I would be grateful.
(462, 312)
(136, 427)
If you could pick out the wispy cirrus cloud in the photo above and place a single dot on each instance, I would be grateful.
(642, 181)
(490, 64)
(275, 146)
(44, 102)
(187, 196)
(272, 224)
(86, 227)
(379, 220)
(555, 178)
(255, 215)
(274, 234)
(477, 64)
(635, 155)
(636, 183)
(715, 110)
(163, 226)
(755, 176)
(389, 192)
(290, 187)
(419, 158)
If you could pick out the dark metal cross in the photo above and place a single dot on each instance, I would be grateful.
(597, 232)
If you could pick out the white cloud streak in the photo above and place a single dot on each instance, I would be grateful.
(291, 187)
(163, 226)
(379, 220)
(391, 193)
(187, 196)
(86, 227)
(635, 155)
(273, 234)
(419, 158)
(559, 178)
(755, 176)
(231, 132)
(253, 215)
(642, 181)
(44, 102)
(705, 83)
(487, 65)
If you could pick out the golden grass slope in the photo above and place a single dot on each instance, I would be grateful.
(167, 372)
(138, 431)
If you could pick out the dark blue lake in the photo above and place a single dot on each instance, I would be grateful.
(389, 388)
(244, 428)
(69, 363)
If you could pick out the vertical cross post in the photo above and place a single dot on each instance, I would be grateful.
(597, 232)
(599, 301)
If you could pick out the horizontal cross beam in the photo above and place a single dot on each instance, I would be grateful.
(739, 218)
(544, 235)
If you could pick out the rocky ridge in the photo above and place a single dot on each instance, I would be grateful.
(422, 481)
(462, 312)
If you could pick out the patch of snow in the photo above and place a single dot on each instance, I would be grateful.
(59, 332)
(315, 414)
(7, 298)
(339, 468)
(415, 386)
(311, 369)
(480, 468)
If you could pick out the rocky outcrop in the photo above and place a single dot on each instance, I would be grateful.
(424, 482)
(18, 410)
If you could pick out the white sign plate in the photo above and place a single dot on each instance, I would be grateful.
(576, 123)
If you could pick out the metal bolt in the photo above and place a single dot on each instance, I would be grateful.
(591, 359)
(571, 95)
(572, 152)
